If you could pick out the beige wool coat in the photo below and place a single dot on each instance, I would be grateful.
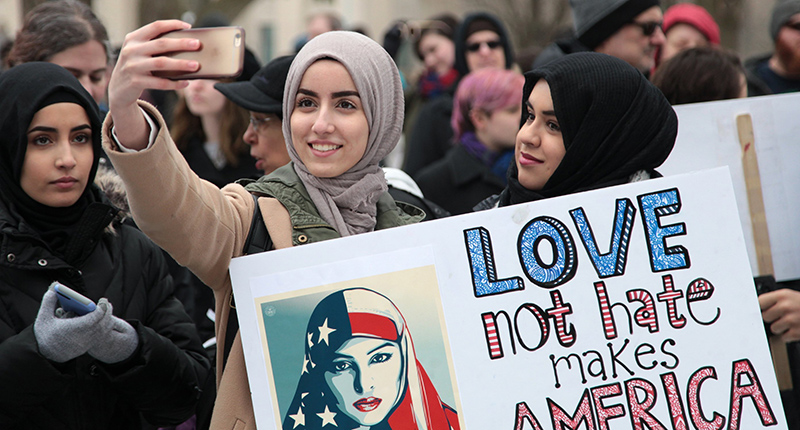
(161, 186)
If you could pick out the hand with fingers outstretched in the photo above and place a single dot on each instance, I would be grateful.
(142, 53)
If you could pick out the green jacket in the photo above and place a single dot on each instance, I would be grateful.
(307, 225)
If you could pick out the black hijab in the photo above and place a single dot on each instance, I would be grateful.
(24, 90)
(614, 123)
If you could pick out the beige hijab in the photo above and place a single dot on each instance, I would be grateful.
(348, 201)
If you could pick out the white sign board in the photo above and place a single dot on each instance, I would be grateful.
(707, 137)
(628, 307)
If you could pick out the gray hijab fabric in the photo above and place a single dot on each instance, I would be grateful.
(349, 201)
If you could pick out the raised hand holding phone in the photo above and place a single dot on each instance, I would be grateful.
(142, 54)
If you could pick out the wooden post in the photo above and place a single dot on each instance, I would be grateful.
(758, 220)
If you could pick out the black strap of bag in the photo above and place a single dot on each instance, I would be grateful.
(258, 240)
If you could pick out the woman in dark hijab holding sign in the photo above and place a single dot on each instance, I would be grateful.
(136, 357)
(588, 121)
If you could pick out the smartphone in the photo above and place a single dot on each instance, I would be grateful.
(221, 53)
(72, 300)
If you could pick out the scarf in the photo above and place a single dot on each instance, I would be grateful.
(614, 123)
(26, 89)
(497, 162)
(348, 202)
(432, 85)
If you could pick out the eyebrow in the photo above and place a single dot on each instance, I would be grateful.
(339, 94)
(307, 92)
(91, 72)
(547, 112)
(380, 347)
(335, 95)
(53, 130)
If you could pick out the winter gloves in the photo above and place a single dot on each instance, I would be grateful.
(63, 337)
(118, 343)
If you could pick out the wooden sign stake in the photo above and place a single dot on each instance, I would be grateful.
(758, 220)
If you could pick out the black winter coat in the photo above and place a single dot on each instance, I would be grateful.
(159, 383)
(458, 182)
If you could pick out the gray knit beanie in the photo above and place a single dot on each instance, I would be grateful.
(781, 14)
(596, 20)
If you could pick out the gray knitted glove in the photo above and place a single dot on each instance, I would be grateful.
(60, 338)
(117, 344)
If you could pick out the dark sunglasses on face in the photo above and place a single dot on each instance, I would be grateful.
(794, 25)
(475, 47)
(649, 27)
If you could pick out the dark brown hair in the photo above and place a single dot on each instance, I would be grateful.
(444, 25)
(186, 126)
(700, 75)
(53, 27)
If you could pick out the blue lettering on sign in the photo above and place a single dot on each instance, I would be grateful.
(481, 262)
(564, 262)
(654, 206)
(613, 262)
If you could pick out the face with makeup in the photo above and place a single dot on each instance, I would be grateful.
(540, 146)
(328, 124)
(59, 155)
(366, 378)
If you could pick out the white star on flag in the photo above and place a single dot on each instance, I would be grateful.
(324, 331)
(299, 418)
(310, 342)
(305, 364)
(327, 417)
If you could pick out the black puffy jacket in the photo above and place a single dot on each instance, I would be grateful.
(158, 384)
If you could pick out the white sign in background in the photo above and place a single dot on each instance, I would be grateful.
(694, 355)
(707, 137)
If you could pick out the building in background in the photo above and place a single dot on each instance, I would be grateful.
(274, 26)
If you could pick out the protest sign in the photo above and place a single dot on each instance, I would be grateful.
(708, 137)
(628, 307)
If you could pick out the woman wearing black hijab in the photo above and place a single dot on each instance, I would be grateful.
(137, 355)
(589, 121)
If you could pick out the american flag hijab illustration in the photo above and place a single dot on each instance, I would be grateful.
(362, 313)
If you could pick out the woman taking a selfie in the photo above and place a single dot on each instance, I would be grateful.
(342, 111)
(588, 121)
(136, 357)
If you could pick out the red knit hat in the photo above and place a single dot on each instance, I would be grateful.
(694, 15)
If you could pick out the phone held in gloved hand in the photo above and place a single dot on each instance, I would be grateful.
(72, 301)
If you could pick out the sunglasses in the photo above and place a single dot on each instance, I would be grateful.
(794, 25)
(649, 27)
(475, 47)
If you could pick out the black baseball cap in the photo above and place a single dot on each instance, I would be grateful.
(264, 91)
